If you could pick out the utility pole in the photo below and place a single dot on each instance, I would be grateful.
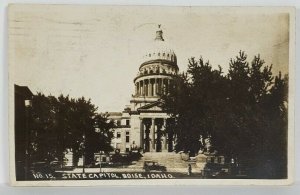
(83, 153)
(100, 160)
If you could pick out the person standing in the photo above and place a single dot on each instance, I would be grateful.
(189, 169)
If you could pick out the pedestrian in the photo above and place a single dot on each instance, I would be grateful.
(189, 169)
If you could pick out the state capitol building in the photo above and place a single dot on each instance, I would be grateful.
(143, 124)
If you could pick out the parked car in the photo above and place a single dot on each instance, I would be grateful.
(213, 170)
(153, 166)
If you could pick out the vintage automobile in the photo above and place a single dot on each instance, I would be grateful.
(214, 170)
(150, 165)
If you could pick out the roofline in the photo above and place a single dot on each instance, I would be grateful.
(162, 74)
(159, 60)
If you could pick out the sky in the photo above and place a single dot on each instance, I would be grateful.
(95, 51)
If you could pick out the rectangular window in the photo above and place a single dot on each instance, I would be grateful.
(127, 122)
(118, 122)
(127, 149)
(118, 134)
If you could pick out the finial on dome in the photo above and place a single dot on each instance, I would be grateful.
(159, 34)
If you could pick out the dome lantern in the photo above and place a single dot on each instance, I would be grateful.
(159, 34)
(159, 50)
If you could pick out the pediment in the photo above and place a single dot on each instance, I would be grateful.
(156, 106)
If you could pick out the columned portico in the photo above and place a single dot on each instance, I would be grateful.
(154, 137)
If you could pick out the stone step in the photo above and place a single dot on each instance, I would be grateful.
(169, 159)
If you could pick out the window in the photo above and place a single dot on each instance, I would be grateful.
(127, 122)
(127, 149)
(104, 159)
(118, 122)
(127, 137)
(118, 134)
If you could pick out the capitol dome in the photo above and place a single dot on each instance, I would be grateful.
(159, 58)
(159, 49)
(156, 72)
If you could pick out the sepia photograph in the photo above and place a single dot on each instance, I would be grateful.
(158, 95)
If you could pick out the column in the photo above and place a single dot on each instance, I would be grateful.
(165, 134)
(152, 85)
(145, 88)
(141, 87)
(142, 134)
(147, 123)
(149, 87)
(157, 85)
(162, 86)
(136, 88)
(159, 134)
(154, 88)
(153, 134)
(165, 86)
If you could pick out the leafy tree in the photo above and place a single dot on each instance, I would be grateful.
(42, 136)
(190, 103)
(66, 123)
(244, 112)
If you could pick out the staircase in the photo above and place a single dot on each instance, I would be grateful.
(172, 161)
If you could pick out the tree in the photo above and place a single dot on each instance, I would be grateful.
(42, 134)
(194, 102)
(104, 130)
(244, 112)
(65, 123)
(99, 137)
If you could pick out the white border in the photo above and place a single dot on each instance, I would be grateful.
(177, 181)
